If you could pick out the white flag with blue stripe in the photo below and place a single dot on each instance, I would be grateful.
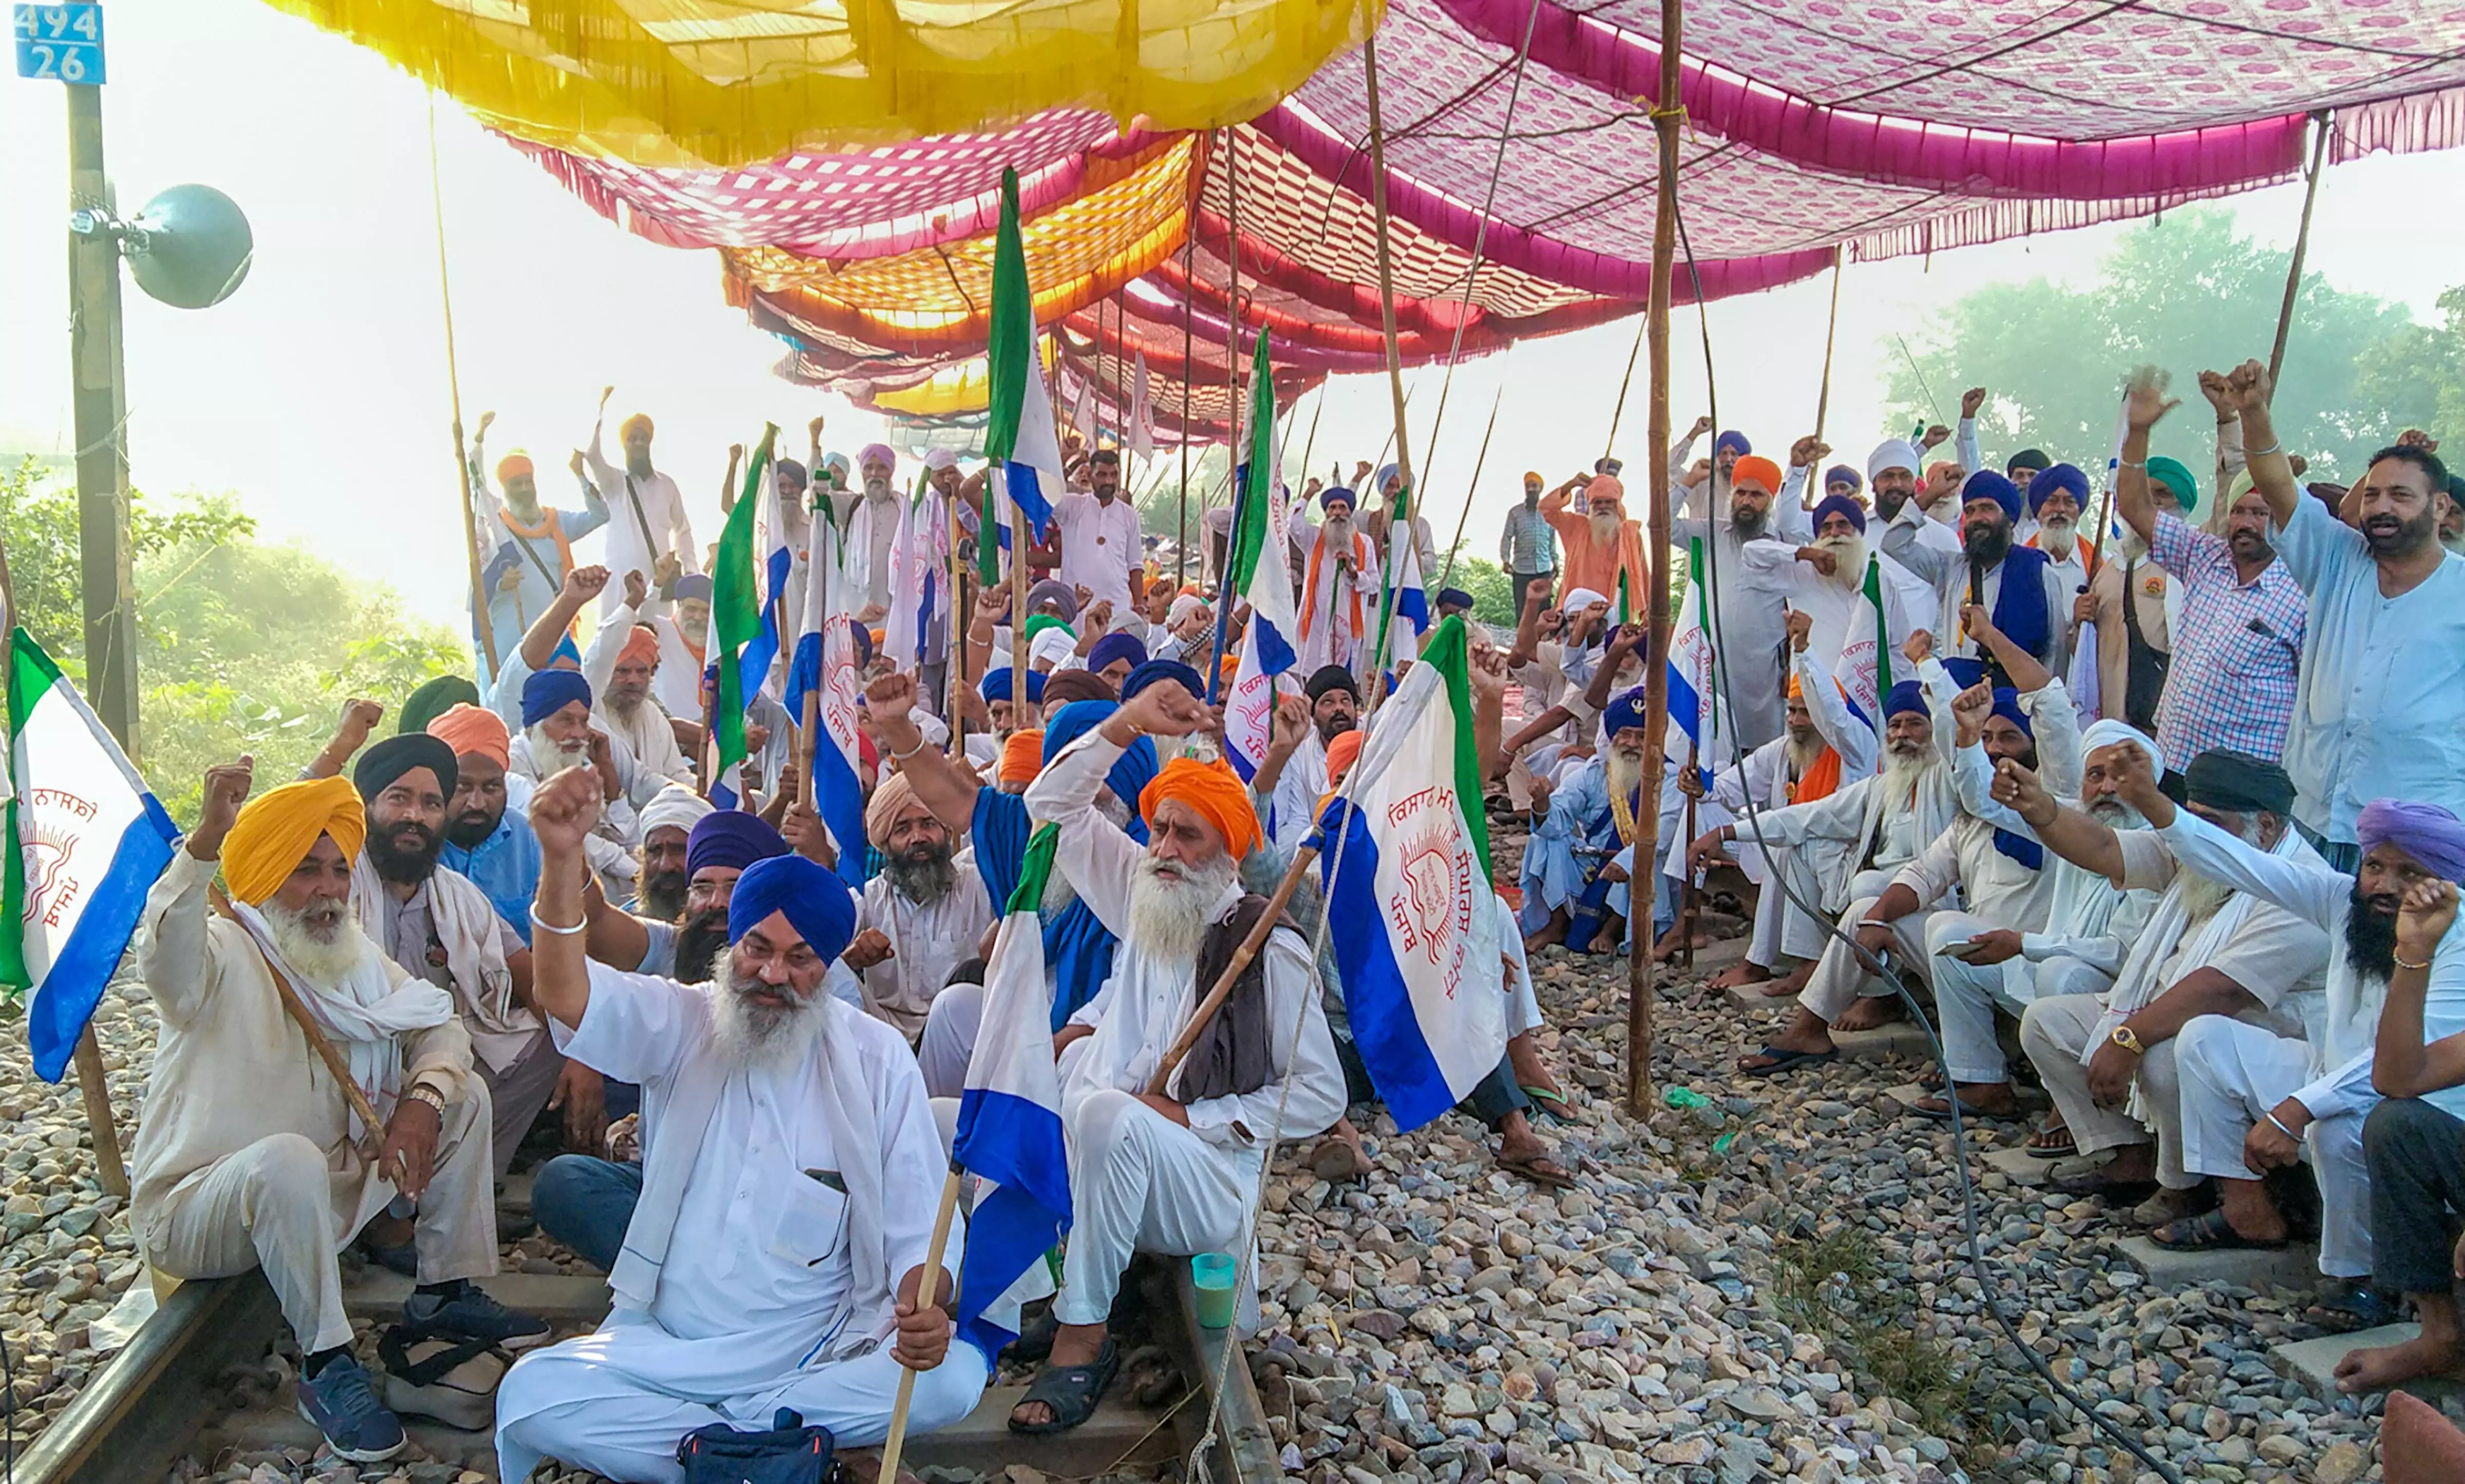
(1010, 1123)
(1423, 969)
(1694, 678)
(1257, 570)
(825, 662)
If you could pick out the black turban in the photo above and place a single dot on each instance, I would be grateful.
(2238, 784)
(388, 759)
(1333, 678)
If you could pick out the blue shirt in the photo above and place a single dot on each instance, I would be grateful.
(2380, 711)
(505, 865)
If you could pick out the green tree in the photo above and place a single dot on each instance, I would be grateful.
(2184, 292)
(241, 647)
(2418, 373)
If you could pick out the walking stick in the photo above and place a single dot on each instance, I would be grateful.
(1689, 902)
(895, 1441)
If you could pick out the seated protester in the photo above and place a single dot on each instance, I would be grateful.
(1191, 625)
(1821, 745)
(667, 832)
(1170, 1171)
(486, 839)
(433, 923)
(1537, 665)
(1293, 776)
(1114, 654)
(557, 734)
(923, 914)
(2414, 1137)
(251, 1154)
(1981, 966)
(776, 1256)
(1998, 874)
(622, 664)
(1877, 824)
(1570, 894)
(2250, 1093)
(2111, 1062)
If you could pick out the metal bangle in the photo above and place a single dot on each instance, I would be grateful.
(2280, 1126)
(544, 925)
(2278, 446)
(2423, 967)
(921, 743)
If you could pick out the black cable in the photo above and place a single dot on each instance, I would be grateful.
(1879, 966)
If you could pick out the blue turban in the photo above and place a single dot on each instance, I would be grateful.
(692, 585)
(1130, 776)
(1117, 645)
(2061, 477)
(2010, 844)
(790, 466)
(995, 686)
(565, 651)
(1455, 597)
(817, 903)
(863, 638)
(2006, 705)
(1625, 711)
(1843, 473)
(548, 691)
(1386, 474)
(1734, 442)
(1157, 670)
(1330, 495)
(1907, 696)
(1839, 504)
(730, 837)
(1986, 484)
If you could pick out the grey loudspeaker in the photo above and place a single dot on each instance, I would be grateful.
(189, 247)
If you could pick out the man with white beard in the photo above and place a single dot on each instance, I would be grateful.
(623, 663)
(776, 1257)
(1995, 873)
(2110, 1060)
(1571, 894)
(1340, 586)
(558, 734)
(250, 1154)
(922, 916)
(1170, 1171)
(870, 520)
(2057, 496)
(1827, 579)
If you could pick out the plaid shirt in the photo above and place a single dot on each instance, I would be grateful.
(2232, 681)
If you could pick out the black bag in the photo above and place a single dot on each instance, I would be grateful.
(789, 1453)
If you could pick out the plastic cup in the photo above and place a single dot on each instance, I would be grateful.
(1211, 1274)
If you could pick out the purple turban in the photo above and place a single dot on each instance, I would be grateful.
(876, 453)
(1843, 473)
(2429, 833)
(1625, 711)
(1986, 484)
(2061, 477)
(730, 837)
(1841, 505)
(1733, 442)
(818, 904)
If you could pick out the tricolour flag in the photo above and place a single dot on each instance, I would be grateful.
(773, 572)
(1019, 436)
(89, 837)
(1863, 666)
(825, 664)
(1257, 572)
(736, 611)
(1422, 974)
(1694, 674)
(1010, 1119)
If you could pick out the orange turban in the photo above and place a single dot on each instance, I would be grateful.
(625, 429)
(276, 831)
(1605, 486)
(1216, 792)
(1341, 754)
(1758, 469)
(1022, 756)
(641, 646)
(1227, 668)
(470, 729)
(1796, 689)
(512, 464)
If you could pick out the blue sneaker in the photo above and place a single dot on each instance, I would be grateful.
(468, 1312)
(339, 1401)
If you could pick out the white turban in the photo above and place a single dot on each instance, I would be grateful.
(1580, 599)
(939, 460)
(1895, 454)
(674, 806)
(2106, 731)
(1182, 607)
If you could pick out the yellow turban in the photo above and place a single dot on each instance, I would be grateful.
(625, 430)
(276, 830)
(1214, 791)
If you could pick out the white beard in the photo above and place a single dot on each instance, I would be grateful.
(2058, 539)
(1802, 754)
(755, 1037)
(1605, 526)
(1168, 918)
(323, 961)
(550, 757)
(1337, 532)
(1848, 560)
(1902, 775)
(2127, 542)
(2114, 814)
(2202, 897)
(624, 707)
(1624, 771)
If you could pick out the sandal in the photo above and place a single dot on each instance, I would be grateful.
(1070, 1393)
(1034, 1341)
(1969, 1112)
(1782, 1060)
(1540, 1169)
(2211, 1232)
(2051, 1141)
(2096, 1185)
(1551, 1103)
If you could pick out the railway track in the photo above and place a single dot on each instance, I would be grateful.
(170, 1394)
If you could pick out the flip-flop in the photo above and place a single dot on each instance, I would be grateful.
(1070, 1393)
(2209, 1233)
(1540, 1169)
(1550, 1105)
(1783, 1061)
(1969, 1112)
(2036, 1151)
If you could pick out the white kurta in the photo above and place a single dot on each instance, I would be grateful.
(759, 1263)
(1328, 607)
(654, 742)
(654, 503)
(927, 942)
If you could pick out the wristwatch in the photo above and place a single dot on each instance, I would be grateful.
(2129, 1040)
(429, 1095)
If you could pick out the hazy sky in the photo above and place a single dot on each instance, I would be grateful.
(319, 390)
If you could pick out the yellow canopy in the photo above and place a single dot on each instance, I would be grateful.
(731, 82)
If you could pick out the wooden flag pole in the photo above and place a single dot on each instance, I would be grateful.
(479, 618)
(1242, 958)
(1641, 990)
(1823, 397)
(895, 1441)
(2301, 245)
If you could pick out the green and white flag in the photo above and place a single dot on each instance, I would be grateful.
(89, 839)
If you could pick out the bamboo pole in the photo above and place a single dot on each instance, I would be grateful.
(954, 630)
(896, 1442)
(479, 619)
(1386, 319)
(1641, 990)
(1830, 337)
(2301, 245)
